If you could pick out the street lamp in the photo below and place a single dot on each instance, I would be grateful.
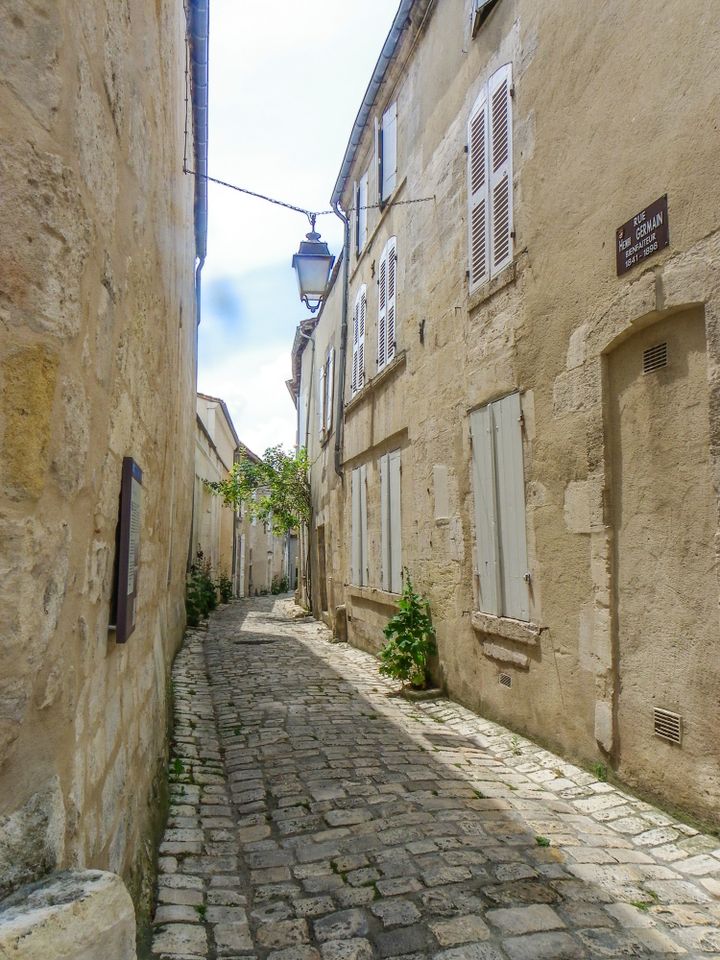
(313, 263)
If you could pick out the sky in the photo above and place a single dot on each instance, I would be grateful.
(286, 81)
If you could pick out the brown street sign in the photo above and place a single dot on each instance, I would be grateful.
(641, 237)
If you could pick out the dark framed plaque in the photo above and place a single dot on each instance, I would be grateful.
(128, 551)
(641, 237)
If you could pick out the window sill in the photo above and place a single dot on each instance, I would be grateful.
(389, 203)
(489, 289)
(387, 372)
(518, 630)
(373, 593)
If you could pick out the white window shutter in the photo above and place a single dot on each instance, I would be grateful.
(382, 310)
(500, 173)
(389, 151)
(486, 527)
(391, 298)
(321, 399)
(356, 200)
(330, 387)
(356, 326)
(395, 526)
(355, 541)
(362, 212)
(385, 522)
(511, 506)
(364, 568)
(362, 313)
(478, 220)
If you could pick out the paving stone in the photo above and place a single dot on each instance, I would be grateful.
(359, 826)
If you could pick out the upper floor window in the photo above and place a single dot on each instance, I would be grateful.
(387, 303)
(361, 209)
(358, 527)
(390, 526)
(490, 188)
(481, 10)
(387, 153)
(357, 377)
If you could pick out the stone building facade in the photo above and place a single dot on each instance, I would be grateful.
(97, 334)
(531, 432)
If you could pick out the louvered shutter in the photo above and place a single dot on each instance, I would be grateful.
(361, 336)
(356, 199)
(511, 506)
(391, 298)
(500, 174)
(388, 148)
(478, 221)
(484, 493)
(362, 210)
(330, 387)
(321, 399)
(364, 569)
(385, 522)
(395, 528)
(382, 311)
(356, 328)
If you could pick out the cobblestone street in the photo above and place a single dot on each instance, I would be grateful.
(315, 816)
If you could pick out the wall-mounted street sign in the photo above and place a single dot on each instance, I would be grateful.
(128, 551)
(645, 234)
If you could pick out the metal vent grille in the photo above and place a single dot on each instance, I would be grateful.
(668, 725)
(655, 357)
(505, 680)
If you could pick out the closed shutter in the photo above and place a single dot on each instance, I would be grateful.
(511, 506)
(361, 336)
(500, 175)
(364, 569)
(355, 542)
(321, 399)
(362, 210)
(385, 522)
(391, 298)
(382, 311)
(330, 383)
(483, 461)
(395, 527)
(356, 328)
(478, 221)
(356, 199)
(388, 148)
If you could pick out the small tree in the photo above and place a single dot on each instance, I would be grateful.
(275, 489)
(411, 639)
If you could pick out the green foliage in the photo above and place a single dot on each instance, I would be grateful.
(200, 593)
(279, 585)
(275, 489)
(542, 841)
(411, 639)
(600, 771)
(225, 588)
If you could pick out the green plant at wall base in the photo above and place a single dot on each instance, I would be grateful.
(410, 639)
(600, 771)
(200, 592)
(279, 585)
(225, 588)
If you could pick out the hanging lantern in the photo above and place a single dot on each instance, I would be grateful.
(313, 263)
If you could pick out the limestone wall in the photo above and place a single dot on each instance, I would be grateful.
(612, 107)
(97, 334)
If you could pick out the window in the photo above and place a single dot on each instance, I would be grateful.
(481, 10)
(387, 303)
(499, 490)
(390, 522)
(321, 400)
(357, 377)
(358, 538)
(361, 218)
(329, 388)
(490, 223)
(387, 153)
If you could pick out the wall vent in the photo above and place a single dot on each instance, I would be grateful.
(505, 680)
(668, 725)
(655, 357)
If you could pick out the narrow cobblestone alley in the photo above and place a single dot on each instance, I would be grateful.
(315, 816)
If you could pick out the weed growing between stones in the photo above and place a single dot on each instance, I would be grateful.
(410, 639)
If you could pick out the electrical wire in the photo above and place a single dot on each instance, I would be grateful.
(310, 214)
